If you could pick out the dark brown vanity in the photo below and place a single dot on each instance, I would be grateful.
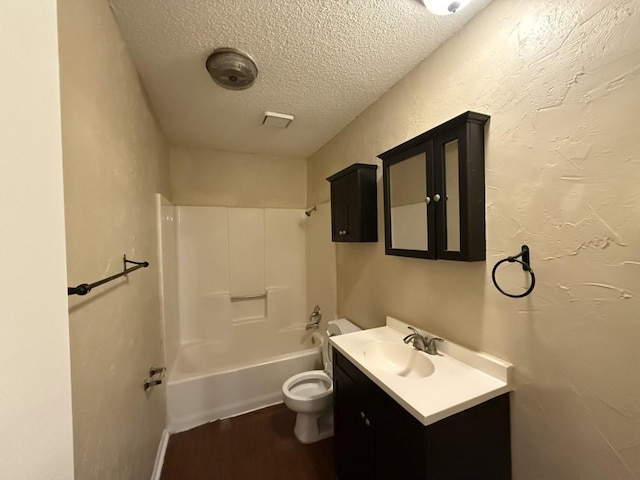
(377, 439)
(434, 202)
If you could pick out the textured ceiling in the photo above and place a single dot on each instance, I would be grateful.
(324, 61)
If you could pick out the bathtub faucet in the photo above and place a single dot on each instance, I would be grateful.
(314, 319)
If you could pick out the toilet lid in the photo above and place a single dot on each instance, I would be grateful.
(327, 352)
(336, 327)
(327, 348)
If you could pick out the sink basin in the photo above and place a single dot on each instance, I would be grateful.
(398, 359)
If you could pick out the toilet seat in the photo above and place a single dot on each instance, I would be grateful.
(310, 394)
(315, 383)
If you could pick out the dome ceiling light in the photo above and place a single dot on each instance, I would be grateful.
(445, 7)
(231, 68)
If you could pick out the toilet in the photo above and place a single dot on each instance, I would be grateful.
(310, 394)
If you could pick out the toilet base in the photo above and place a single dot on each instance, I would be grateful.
(313, 427)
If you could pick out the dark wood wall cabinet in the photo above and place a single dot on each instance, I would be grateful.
(354, 204)
(377, 439)
(434, 201)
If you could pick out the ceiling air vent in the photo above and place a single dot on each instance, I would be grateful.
(277, 120)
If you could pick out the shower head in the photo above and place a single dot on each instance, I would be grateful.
(310, 211)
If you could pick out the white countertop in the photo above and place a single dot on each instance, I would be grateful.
(462, 378)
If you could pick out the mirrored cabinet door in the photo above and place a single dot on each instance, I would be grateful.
(449, 217)
(408, 190)
(408, 187)
(451, 196)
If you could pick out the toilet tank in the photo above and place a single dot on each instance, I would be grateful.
(336, 327)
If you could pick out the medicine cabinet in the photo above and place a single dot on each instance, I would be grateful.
(434, 203)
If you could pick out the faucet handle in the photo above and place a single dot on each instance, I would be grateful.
(408, 337)
(431, 344)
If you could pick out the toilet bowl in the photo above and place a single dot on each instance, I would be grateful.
(310, 394)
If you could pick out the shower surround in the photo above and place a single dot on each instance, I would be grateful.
(234, 295)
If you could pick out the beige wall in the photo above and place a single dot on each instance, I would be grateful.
(561, 81)
(35, 385)
(115, 159)
(207, 177)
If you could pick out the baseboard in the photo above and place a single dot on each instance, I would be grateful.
(177, 425)
(259, 407)
(162, 448)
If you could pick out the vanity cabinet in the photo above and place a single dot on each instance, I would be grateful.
(376, 438)
(354, 209)
(434, 201)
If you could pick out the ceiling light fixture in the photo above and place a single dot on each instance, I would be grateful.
(445, 7)
(231, 68)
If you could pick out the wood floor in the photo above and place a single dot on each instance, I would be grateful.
(259, 445)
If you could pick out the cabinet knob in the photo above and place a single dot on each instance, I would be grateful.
(436, 198)
(427, 200)
(367, 422)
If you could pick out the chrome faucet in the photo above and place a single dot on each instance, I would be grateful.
(419, 342)
(314, 318)
(424, 344)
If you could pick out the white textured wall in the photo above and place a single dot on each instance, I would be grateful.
(115, 160)
(35, 387)
(205, 177)
(561, 81)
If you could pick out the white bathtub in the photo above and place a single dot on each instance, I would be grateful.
(210, 381)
